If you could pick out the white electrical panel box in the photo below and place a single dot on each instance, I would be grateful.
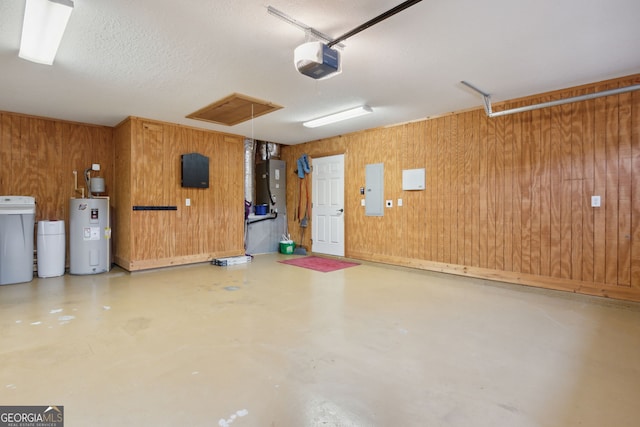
(413, 179)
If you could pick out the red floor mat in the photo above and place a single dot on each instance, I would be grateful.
(324, 265)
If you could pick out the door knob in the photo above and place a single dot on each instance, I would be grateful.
(340, 210)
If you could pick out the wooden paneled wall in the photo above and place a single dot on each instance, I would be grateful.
(140, 162)
(38, 157)
(507, 198)
(148, 170)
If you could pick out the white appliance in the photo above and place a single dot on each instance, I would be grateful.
(89, 236)
(17, 223)
(51, 248)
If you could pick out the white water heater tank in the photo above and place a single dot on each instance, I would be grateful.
(89, 236)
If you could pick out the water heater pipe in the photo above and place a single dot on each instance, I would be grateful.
(75, 185)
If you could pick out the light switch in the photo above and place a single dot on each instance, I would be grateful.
(595, 201)
(187, 202)
(399, 202)
(362, 203)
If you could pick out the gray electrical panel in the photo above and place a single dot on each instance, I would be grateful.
(374, 190)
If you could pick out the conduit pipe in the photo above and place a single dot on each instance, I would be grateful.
(249, 170)
(487, 100)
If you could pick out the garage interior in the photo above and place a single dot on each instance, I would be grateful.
(500, 293)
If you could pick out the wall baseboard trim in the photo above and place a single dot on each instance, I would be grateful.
(625, 293)
(138, 265)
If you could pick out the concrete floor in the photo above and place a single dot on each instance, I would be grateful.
(267, 344)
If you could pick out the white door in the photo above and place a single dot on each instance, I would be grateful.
(328, 205)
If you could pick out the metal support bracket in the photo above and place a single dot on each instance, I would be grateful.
(485, 96)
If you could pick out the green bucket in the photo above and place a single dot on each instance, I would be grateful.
(287, 247)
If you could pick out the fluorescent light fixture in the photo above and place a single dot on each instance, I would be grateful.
(42, 29)
(336, 117)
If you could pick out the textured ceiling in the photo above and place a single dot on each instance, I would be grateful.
(164, 59)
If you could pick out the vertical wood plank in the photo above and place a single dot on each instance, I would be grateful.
(491, 193)
(429, 191)
(483, 191)
(469, 179)
(599, 185)
(453, 189)
(556, 191)
(516, 237)
(501, 182)
(461, 203)
(475, 189)
(588, 132)
(536, 172)
(545, 191)
(577, 190)
(565, 201)
(508, 193)
(441, 189)
(434, 186)
(419, 199)
(635, 190)
(526, 190)
(624, 190)
(611, 202)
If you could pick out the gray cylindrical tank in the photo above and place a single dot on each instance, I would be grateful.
(17, 220)
(51, 248)
(89, 236)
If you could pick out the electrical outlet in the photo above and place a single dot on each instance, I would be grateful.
(595, 201)
(389, 203)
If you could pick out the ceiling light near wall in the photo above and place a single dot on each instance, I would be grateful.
(42, 29)
(336, 117)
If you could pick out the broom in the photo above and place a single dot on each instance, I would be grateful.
(304, 222)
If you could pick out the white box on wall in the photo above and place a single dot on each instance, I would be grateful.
(413, 179)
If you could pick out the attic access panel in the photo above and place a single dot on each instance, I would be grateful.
(235, 108)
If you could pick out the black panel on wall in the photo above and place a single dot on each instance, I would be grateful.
(195, 170)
